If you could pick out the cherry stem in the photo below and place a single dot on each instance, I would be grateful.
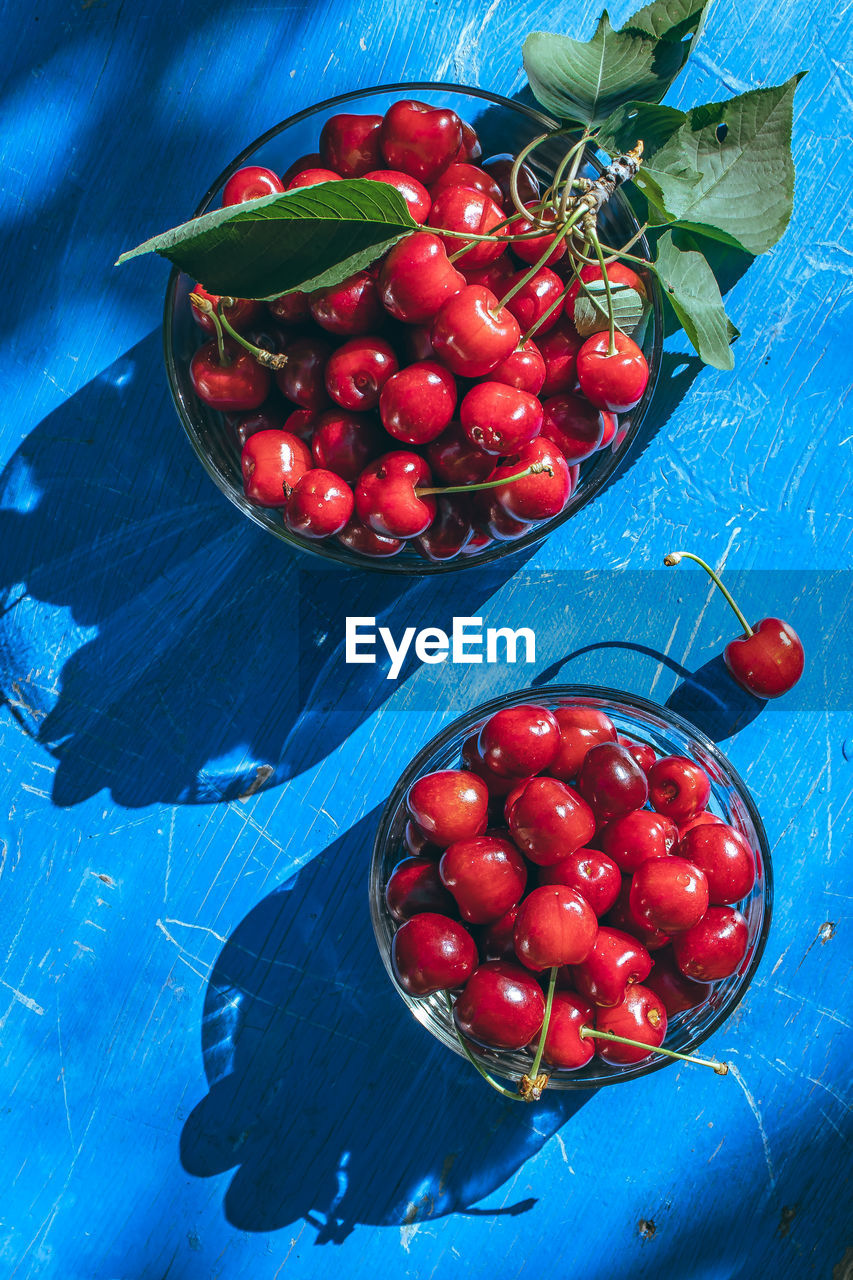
(516, 169)
(543, 1035)
(507, 1093)
(269, 359)
(207, 309)
(537, 324)
(721, 1068)
(599, 253)
(535, 469)
(537, 266)
(675, 557)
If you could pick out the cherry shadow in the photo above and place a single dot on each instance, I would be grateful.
(327, 1099)
(152, 638)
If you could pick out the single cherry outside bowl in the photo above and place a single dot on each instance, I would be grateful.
(668, 734)
(504, 127)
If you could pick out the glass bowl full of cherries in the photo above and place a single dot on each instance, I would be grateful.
(571, 887)
(453, 400)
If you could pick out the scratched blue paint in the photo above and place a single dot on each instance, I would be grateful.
(206, 1073)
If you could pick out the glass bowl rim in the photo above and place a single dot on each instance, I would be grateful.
(328, 549)
(597, 694)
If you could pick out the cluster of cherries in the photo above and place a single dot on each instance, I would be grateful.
(410, 404)
(560, 846)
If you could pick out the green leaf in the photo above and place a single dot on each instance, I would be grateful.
(590, 312)
(632, 121)
(585, 81)
(304, 239)
(692, 291)
(742, 151)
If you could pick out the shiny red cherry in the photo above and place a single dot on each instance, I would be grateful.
(272, 462)
(588, 871)
(241, 315)
(502, 1005)
(565, 1048)
(519, 741)
(641, 751)
(386, 497)
(523, 368)
(432, 953)
(559, 348)
(486, 876)
(358, 370)
(615, 960)
(531, 250)
(500, 168)
(351, 307)
(500, 419)
(611, 781)
(470, 212)
(462, 174)
(620, 916)
(302, 379)
(535, 299)
(414, 193)
(414, 886)
(668, 894)
(540, 495)
(702, 819)
(345, 442)
(312, 178)
(454, 460)
(713, 948)
(725, 857)
(770, 661)
(240, 384)
(416, 278)
(449, 805)
(574, 425)
(417, 403)
(420, 139)
(364, 541)
(678, 787)
(580, 728)
(349, 144)
(640, 1016)
(497, 783)
(548, 820)
(319, 506)
(250, 183)
(449, 533)
(472, 334)
(636, 836)
(615, 382)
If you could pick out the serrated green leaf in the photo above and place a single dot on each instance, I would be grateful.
(590, 310)
(585, 81)
(690, 287)
(650, 122)
(742, 151)
(305, 239)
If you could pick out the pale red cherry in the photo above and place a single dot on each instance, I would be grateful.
(554, 926)
(449, 805)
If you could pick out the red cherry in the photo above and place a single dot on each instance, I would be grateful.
(312, 178)
(420, 139)
(559, 348)
(535, 298)
(614, 382)
(502, 1006)
(611, 781)
(713, 948)
(539, 496)
(461, 174)
(564, 1046)
(345, 442)
(614, 962)
(617, 273)
(724, 856)
(554, 926)
(413, 887)
(464, 209)
(250, 183)
(449, 533)
(640, 1016)
(413, 192)
(641, 751)
(290, 308)
(500, 168)
(302, 379)
(358, 370)
(273, 462)
(469, 147)
(668, 894)
(548, 820)
(472, 334)
(454, 460)
(417, 843)
(364, 541)
(580, 729)
(770, 661)
(349, 144)
(417, 403)
(319, 506)
(241, 315)
(531, 250)
(449, 805)
(497, 783)
(677, 992)
(494, 276)
(238, 385)
(588, 871)
(351, 307)
(636, 836)
(678, 787)
(574, 425)
(494, 521)
(268, 418)
(622, 917)
(494, 941)
(416, 278)
(432, 953)
(519, 741)
(386, 498)
(500, 419)
(311, 161)
(702, 819)
(523, 368)
(486, 876)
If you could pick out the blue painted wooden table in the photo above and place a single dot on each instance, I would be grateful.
(206, 1072)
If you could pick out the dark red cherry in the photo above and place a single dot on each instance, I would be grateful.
(486, 876)
(770, 661)
(469, 148)
(614, 382)
(240, 384)
(640, 1016)
(351, 307)
(414, 193)
(554, 926)
(565, 1048)
(272, 462)
(349, 144)
(449, 533)
(611, 781)
(449, 805)
(538, 496)
(290, 308)
(620, 916)
(420, 139)
(535, 299)
(725, 857)
(413, 887)
(494, 521)
(454, 460)
(502, 1005)
(574, 425)
(319, 506)
(580, 729)
(523, 368)
(302, 379)
(548, 820)
(268, 418)
(301, 423)
(588, 871)
(432, 953)
(498, 784)
(519, 741)
(313, 160)
(417, 843)
(500, 168)
(615, 960)
(358, 370)
(358, 537)
(386, 499)
(416, 278)
(250, 183)
(668, 894)
(636, 836)
(559, 348)
(494, 276)
(678, 787)
(472, 334)
(500, 419)
(494, 941)
(677, 992)
(713, 948)
(417, 403)
(641, 751)
(345, 442)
